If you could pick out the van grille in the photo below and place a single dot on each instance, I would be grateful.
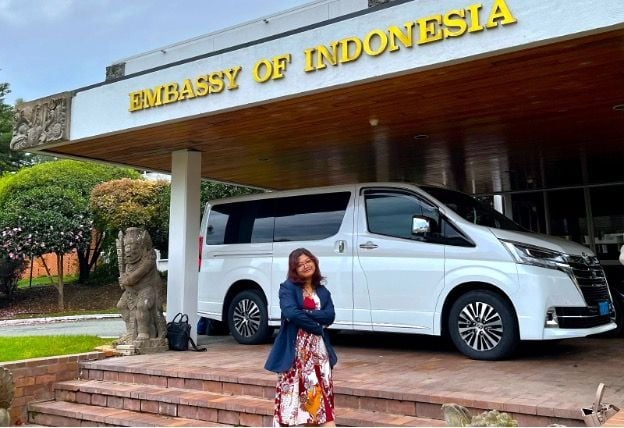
(591, 278)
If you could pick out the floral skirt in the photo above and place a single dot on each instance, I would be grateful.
(305, 393)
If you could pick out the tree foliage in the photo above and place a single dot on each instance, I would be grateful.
(124, 203)
(212, 191)
(45, 209)
(119, 204)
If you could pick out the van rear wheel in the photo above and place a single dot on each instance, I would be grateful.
(482, 326)
(248, 318)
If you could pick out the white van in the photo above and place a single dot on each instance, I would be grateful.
(400, 258)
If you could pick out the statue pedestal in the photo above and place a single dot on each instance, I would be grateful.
(142, 347)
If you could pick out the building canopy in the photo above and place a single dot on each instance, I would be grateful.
(483, 97)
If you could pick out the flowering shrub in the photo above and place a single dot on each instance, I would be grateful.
(29, 241)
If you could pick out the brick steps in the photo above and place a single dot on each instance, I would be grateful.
(209, 406)
(65, 414)
(226, 386)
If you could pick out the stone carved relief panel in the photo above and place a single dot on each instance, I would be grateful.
(41, 122)
(115, 71)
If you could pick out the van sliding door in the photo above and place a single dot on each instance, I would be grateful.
(322, 223)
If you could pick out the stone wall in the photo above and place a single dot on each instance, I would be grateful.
(34, 379)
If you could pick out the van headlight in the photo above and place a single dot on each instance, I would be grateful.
(537, 256)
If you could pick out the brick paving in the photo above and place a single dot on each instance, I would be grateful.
(544, 378)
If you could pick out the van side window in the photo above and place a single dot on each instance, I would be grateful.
(309, 217)
(240, 223)
(217, 220)
(390, 214)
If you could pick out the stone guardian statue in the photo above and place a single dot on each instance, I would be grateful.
(6, 396)
(142, 300)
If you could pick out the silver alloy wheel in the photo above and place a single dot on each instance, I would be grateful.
(246, 317)
(480, 326)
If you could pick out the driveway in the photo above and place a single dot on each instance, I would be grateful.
(98, 325)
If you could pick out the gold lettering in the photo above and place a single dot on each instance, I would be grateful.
(348, 54)
(231, 74)
(405, 38)
(216, 82)
(170, 93)
(322, 54)
(475, 26)
(382, 44)
(308, 60)
(136, 102)
(262, 70)
(429, 29)
(201, 86)
(454, 23)
(187, 91)
(279, 65)
(501, 12)
(151, 98)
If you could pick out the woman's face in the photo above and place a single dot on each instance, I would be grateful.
(305, 267)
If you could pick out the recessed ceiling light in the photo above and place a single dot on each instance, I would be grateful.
(373, 121)
(421, 137)
(618, 107)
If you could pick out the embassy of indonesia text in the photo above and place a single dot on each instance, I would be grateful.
(453, 23)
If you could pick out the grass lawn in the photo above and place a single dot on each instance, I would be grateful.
(45, 280)
(24, 347)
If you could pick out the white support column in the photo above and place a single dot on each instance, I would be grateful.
(183, 234)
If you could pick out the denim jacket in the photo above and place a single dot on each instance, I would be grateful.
(294, 317)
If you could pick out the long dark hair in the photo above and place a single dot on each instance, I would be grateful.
(293, 260)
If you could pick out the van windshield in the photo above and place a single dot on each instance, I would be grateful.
(471, 210)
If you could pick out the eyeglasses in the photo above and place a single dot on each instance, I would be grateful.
(307, 262)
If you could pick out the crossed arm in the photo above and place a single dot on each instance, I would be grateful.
(310, 321)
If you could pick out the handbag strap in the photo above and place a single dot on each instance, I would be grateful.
(195, 348)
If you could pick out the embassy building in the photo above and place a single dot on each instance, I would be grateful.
(517, 102)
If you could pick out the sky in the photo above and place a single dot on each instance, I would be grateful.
(51, 46)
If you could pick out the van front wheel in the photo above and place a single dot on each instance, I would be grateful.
(482, 326)
(248, 319)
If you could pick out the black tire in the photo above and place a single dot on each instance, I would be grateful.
(216, 328)
(248, 318)
(482, 326)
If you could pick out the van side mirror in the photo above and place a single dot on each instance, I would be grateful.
(420, 225)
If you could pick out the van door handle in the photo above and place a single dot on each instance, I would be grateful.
(339, 246)
(369, 246)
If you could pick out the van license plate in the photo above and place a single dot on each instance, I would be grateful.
(603, 308)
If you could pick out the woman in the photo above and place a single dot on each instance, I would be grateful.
(302, 355)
